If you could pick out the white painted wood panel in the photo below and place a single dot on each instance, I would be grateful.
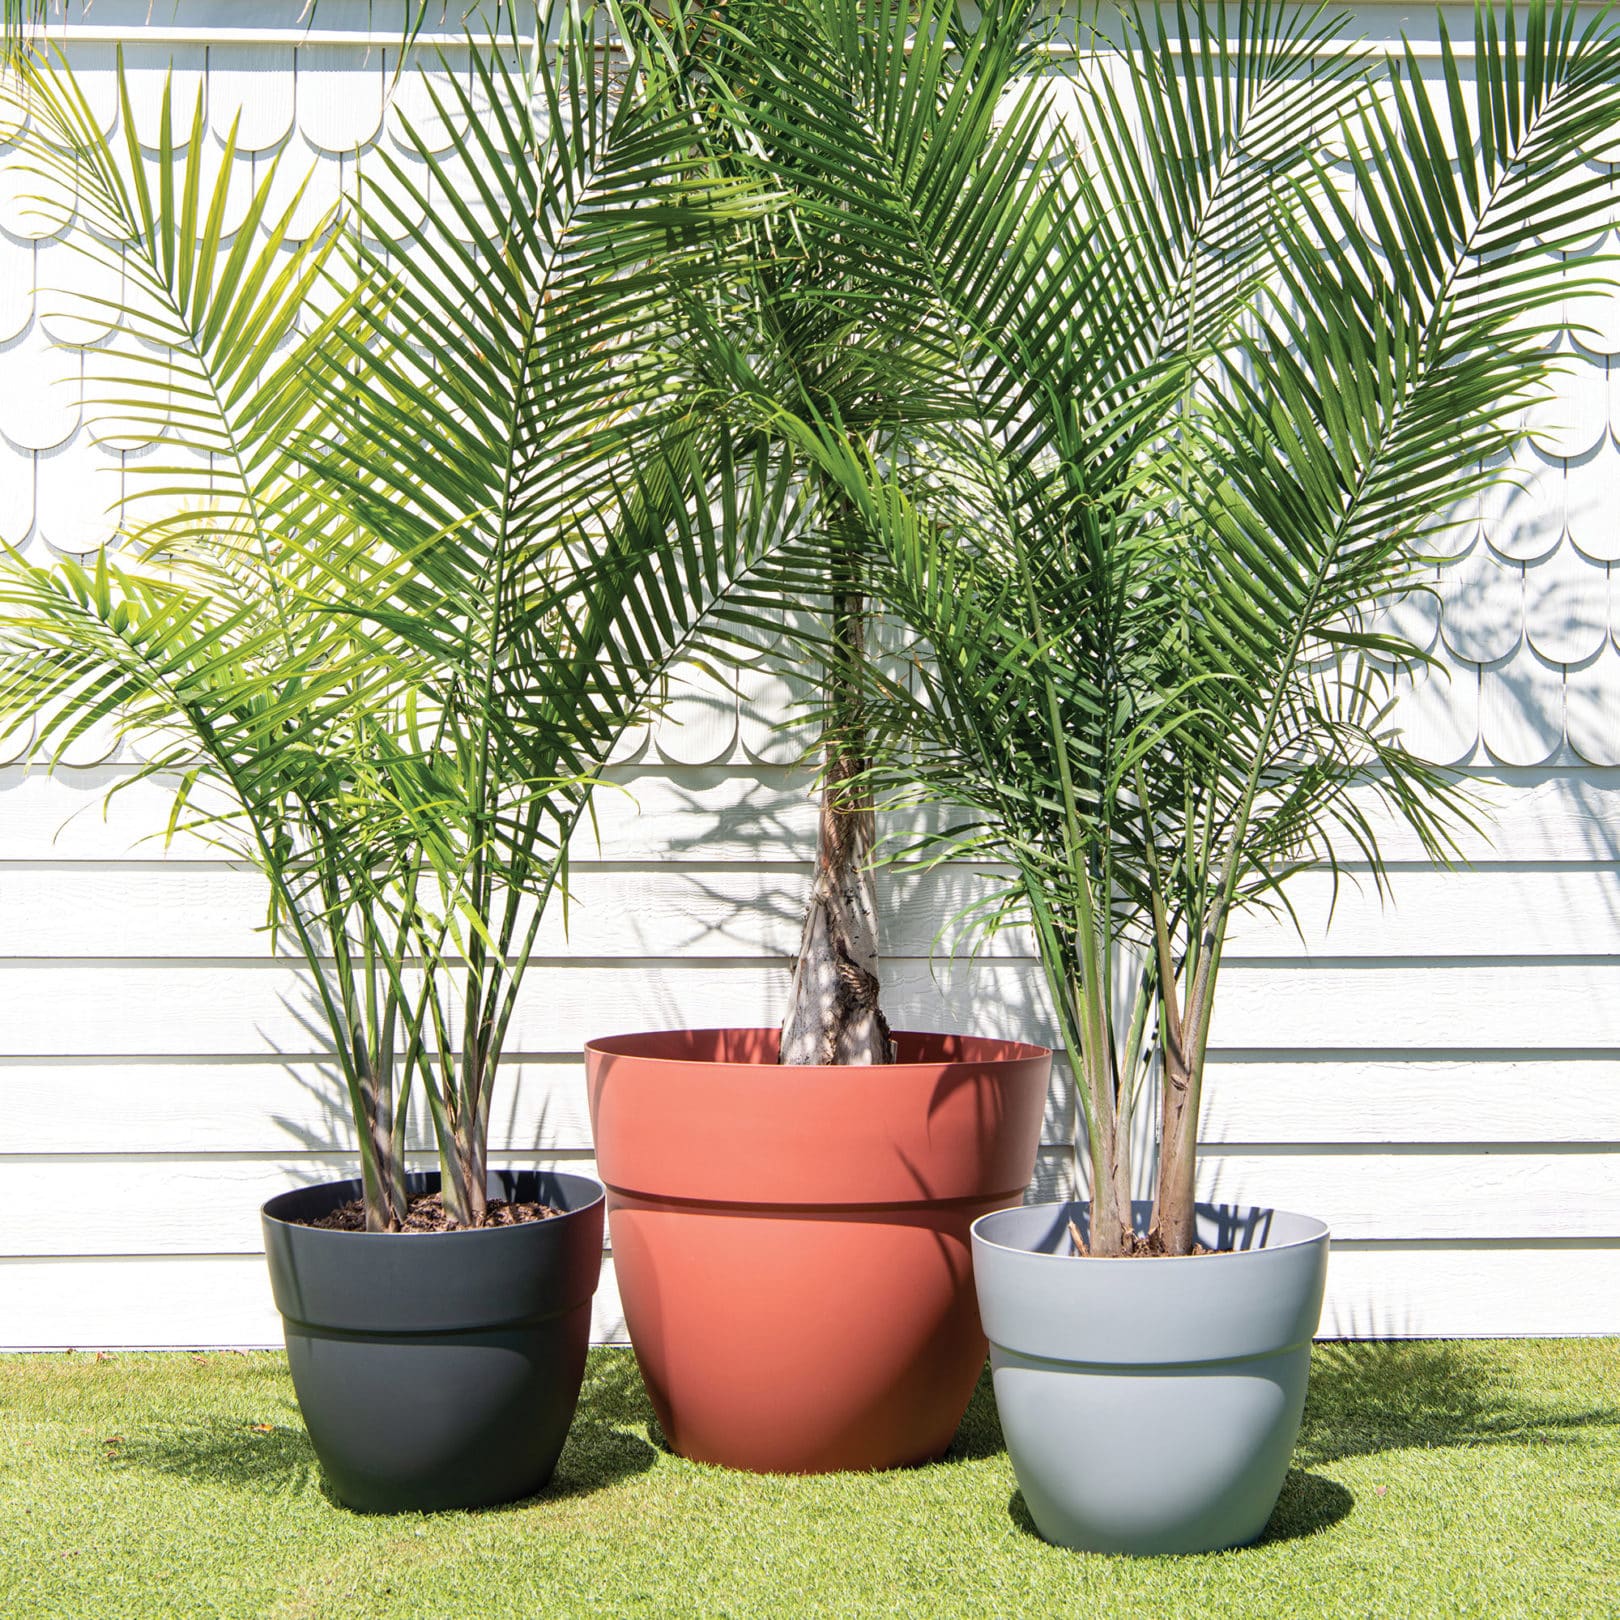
(191, 909)
(740, 811)
(1393, 1098)
(167, 1105)
(228, 1009)
(1439, 1075)
(173, 1302)
(1422, 1291)
(209, 1204)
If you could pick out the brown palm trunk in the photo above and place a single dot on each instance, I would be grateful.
(833, 1013)
(1175, 1199)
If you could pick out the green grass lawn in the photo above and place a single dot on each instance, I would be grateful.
(1431, 1479)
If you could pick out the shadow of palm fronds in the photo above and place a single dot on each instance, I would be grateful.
(223, 1451)
(1370, 1398)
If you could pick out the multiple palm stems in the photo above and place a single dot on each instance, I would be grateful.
(1115, 369)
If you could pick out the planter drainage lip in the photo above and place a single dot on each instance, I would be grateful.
(747, 1048)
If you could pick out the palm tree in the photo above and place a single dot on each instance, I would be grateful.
(1165, 417)
(384, 619)
(776, 94)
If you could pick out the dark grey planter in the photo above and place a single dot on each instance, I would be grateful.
(438, 1370)
(1150, 1406)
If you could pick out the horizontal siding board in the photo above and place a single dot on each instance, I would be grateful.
(1431, 1291)
(767, 813)
(165, 1105)
(187, 909)
(213, 1009)
(150, 1009)
(209, 1205)
(169, 1105)
(193, 910)
(1421, 1006)
(1351, 1098)
(1415, 1291)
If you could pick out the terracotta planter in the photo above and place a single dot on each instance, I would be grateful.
(792, 1244)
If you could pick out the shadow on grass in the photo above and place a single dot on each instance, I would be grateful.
(228, 1451)
(979, 1434)
(602, 1446)
(1308, 1505)
(1369, 1398)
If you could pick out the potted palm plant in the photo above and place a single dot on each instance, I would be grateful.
(384, 602)
(790, 1207)
(1207, 406)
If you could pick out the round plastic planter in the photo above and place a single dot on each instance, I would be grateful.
(438, 1370)
(1150, 1405)
(791, 1244)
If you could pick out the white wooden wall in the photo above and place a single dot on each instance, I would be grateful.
(1439, 1081)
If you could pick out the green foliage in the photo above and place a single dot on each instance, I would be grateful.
(437, 525)
(1137, 424)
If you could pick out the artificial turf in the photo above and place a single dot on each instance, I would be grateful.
(1442, 1479)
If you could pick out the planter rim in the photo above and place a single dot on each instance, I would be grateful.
(403, 1283)
(321, 1234)
(709, 1115)
(975, 1049)
(1304, 1240)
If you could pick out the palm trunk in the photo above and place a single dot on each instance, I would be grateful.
(463, 1171)
(383, 1169)
(1111, 1193)
(1175, 1217)
(1175, 1194)
(833, 1014)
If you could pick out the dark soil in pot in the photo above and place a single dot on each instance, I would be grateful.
(438, 1370)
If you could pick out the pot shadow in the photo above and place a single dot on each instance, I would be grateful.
(1367, 1398)
(231, 1452)
(604, 1445)
(979, 1434)
(1308, 1505)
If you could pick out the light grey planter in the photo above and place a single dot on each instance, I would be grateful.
(1150, 1406)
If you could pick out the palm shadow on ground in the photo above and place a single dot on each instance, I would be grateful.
(1367, 1398)
(276, 1458)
